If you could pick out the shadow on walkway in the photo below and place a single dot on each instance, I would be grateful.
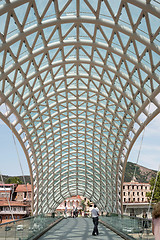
(78, 229)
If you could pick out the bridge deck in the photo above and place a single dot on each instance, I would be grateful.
(78, 229)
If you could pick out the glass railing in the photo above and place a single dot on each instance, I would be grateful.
(133, 227)
(27, 228)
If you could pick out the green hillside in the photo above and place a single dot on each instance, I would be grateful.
(142, 175)
(27, 178)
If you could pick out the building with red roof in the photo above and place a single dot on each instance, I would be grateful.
(15, 201)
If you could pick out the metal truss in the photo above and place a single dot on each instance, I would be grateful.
(76, 79)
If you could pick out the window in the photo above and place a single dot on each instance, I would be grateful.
(124, 193)
(133, 199)
(137, 193)
(124, 199)
(133, 193)
(123, 187)
(142, 193)
(141, 187)
(132, 187)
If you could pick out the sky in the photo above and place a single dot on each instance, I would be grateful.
(9, 158)
(149, 154)
(150, 147)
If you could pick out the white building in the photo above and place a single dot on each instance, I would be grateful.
(135, 201)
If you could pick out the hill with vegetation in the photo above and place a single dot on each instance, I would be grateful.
(142, 175)
(16, 179)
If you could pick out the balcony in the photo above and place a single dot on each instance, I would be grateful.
(13, 212)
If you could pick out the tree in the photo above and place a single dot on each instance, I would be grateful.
(156, 195)
(11, 180)
(88, 204)
(83, 205)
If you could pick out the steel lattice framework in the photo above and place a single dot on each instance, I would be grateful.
(76, 80)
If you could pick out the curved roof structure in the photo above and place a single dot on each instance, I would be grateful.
(79, 81)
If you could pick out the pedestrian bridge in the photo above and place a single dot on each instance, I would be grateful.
(79, 81)
(111, 227)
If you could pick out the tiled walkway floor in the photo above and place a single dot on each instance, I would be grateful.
(78, 229)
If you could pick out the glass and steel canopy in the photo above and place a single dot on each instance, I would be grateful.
(79, 80)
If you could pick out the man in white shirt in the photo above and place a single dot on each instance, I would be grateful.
(65, 212)
(95, 214)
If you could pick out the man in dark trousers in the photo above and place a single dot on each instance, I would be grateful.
(95, 214)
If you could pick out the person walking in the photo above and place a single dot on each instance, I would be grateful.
(95, 214)
(74, 214)
(65, 212)
(156, 221)
(145, 223)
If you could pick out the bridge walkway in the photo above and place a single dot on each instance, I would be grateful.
(78, 229)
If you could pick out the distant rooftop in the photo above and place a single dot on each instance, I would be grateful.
(23, 188)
